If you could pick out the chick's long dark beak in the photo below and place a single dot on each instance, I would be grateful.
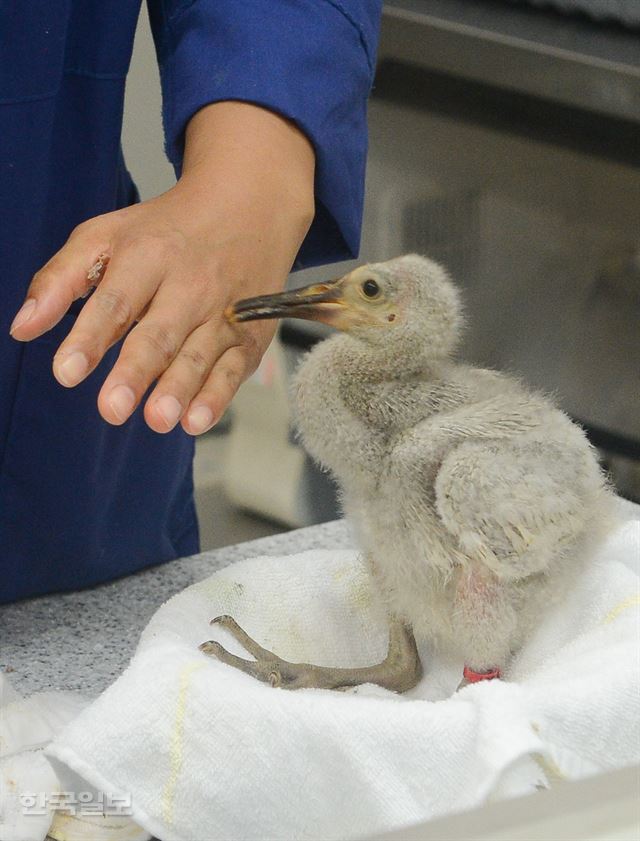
(317, 302)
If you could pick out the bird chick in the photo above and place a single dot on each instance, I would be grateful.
(475, 501)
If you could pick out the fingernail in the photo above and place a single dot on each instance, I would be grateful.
(200, 419)
(169, 409)
(122, 400)
(24, 314)
(72, 369)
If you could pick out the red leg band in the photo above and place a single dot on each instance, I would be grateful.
(475, 677)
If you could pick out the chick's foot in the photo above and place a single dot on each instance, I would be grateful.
(399, 671)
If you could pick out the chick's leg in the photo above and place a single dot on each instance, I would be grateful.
(399, 671)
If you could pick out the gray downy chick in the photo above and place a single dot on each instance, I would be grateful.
(475, 501)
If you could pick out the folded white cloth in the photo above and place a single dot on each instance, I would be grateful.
(204, 751)
(28, 783)
(40, 796)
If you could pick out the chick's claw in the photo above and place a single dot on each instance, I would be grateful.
(247, 642)
(251, 667)
(267, 667)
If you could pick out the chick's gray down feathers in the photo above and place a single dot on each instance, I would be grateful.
(475, 500)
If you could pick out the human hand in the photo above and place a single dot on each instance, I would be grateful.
(229, 229)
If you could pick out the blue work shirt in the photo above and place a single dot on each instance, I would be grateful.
(81, 501)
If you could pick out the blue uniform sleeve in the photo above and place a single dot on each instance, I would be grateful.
(310, 60)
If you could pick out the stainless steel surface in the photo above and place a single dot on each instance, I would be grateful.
(564, 60)
(626, 12)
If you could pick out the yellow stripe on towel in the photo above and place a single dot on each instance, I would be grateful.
(175, 750)
(632, 601)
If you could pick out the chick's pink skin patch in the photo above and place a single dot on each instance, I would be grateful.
(476, 593)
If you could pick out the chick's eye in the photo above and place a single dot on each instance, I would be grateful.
(370, 288)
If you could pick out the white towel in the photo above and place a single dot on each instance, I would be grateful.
(204, 751)
(28, 783)
(35, 798)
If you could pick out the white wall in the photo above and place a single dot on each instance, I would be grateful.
(142, 136)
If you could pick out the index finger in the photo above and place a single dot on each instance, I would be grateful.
(130, 282)
(58, 284)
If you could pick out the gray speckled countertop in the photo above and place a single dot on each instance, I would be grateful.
(82, 641)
